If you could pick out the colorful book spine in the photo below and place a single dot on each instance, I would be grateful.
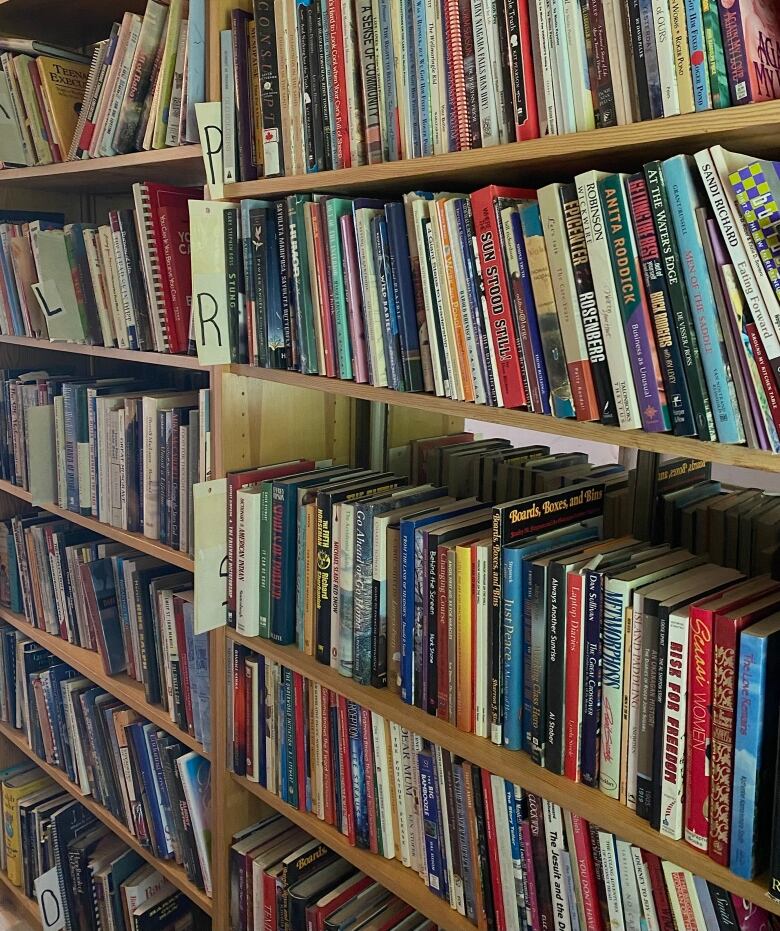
(702, 96)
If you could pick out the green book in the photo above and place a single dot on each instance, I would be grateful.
(335, 209)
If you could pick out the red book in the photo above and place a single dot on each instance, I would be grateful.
(269, 899)
(533, 901)
(442, 634)
(249, 675)
(317, 914)
(327, 805)
(339, 70)
(455, 74)
(325, 301)
(587, 873)
(699, 727)
(492, 846)
(369, 772)
(521, 69)
(184, 664)
(163, 220)
(728, 627)
(300, 737)
(348, 802)
(239, 709)
(751, 917)
(235, 482)
(573, 694)
(500, 322)
(663, 908)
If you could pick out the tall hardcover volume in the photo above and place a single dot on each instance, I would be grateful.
(684, 200)
(646, 370)
(496, 284)
(270, 99)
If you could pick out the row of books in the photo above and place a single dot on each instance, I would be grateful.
(336, 85)
(615, 298)
(280, 878)
(114, 449)
(125, 283)
(501, 856)
(157, 788)
(102, 883)
(135, 611)
(524, 622)
(137, 89)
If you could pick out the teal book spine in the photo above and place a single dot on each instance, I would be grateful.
(335, 209)
(683, 201)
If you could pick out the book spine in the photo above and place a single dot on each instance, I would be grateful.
(722, 761)
(573, 706)
(699, 747)
(612, 689)
(702, 97)
(556, 669)
(602, 85)
(716, 60)
(592, 680)
(735, 51)
(633, 305)
(633, 21)
(666, 338)
(682, 56)
(674, 739)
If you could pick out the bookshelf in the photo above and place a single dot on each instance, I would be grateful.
(28, 908)
(265, 415)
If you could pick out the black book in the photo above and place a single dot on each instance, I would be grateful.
(482, 855)
(148, 569)
(129, 237)
(286, 294)
(237, 332)
(310, 889)
(539, 857)
(270, 99)
(308, 57)
(258, 271)
(633, 20)
(588, 308)
(239, 22)
(72, 821)
(724, 908)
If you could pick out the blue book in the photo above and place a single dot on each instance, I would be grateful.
(516, 643)
(702, 98)
(358, 775)
(203, 688)
(408, 584)
(291, 774)
(683, 201)
(423, 86)
(755, 746)
(532, 321)
(467, 856)
(403, 296)
(162, 797)
(429, 799)
(591, 679)
(391, 339)
(281, 735)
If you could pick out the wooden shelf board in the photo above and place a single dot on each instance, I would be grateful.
(518, 768)
(539, 423)
(27, 907)
(392, 874)
(135, 540)
(165, 360)
(168, 868)
(752, 128)
(182, 165)
(90, 665)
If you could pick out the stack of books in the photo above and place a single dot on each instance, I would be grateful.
(605, 640)
(135, 90)
(490, 848)
(126, 283)
(135, 611)
(315, 86)
(156, 787)
(646, 300)
(102, 882)
(112, 449)
(282, 878)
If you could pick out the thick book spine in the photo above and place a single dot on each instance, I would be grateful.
(633, 305)
(683, 201)
(494, 278)
(270, 99)
(591, 685)
(666, 337)
(674, 739)
(633, 21)
(698, 750)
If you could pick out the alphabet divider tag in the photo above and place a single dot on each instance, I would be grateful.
(47, 891)
(210, 315)
(209, 117)
(210, 506)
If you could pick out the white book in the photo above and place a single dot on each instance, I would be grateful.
(397, 753)
(13, 147)
(488, 114)
(664, 46)
(506, 864)
(683, 898)
(568, 877)
(229, 155)
(92, 249)
(618, 58)
(548, 120)
(584, 117)
(553, 829)
(109, 84)
(17, 106)
(715, 165)
(420, 210)
(175, 109)
(632, 907)
(492, 26)
(619, 363)
(612, 888)
(106, 143)
(371, 301)
(415, 748)
(248, 559)
(645, 890)
(675, 716)
(564, 98)
(111, 274)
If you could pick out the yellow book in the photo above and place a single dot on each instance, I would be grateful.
(14, 790)
(63, 84)
(464, 700)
